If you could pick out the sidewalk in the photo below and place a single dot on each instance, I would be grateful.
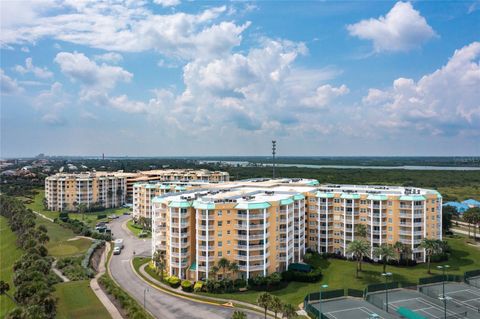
(58, 272)
(112, 310)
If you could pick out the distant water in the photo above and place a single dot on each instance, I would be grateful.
(405, 167)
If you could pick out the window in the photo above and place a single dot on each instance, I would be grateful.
(390, 203)
(336, 200)
(228, 242)
(390, 212)
(220, 244)
(390, 237)
(228, 222)
(220, 223)
(228, 232)
(433, 209)
(219, 233)
(219, 254)
(228, 252)
(219, 213)
(390, 228)
(228, 212)
(389, 220)
(363, 202)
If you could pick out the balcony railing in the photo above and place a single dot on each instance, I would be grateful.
(252, 257)
(252, 247)
(251, 237)
(252, 226)
(252, 216)
(254, 267)
(204, 258)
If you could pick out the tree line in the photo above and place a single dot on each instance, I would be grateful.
(33, 278)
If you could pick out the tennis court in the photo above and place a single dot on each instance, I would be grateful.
(421, 304)
(457, 293)
(351, 308)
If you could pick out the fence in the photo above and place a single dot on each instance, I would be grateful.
(439, 278)
(380, 286)
(472, 273)
(329, 294)
(355, 293)
(472, 277)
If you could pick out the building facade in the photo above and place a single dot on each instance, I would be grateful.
(265, 225)
(65, 192)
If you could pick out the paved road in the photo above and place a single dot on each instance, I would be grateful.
(162, 305)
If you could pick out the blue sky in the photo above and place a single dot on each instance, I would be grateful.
(171, 77)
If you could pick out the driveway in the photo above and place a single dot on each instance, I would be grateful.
(160, 304)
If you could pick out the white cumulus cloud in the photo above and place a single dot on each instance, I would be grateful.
(8, 85)
(42, 73)
(402, 29)
(167, 3)
(111, 57)
(446, 101)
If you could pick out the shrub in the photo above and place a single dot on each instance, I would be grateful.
(174, 281)
(198, 286)
(312, 276)
(240, 283)
(101, 216)
(187, 286)
(268, 283)
(63, 216)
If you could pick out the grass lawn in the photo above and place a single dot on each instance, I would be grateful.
(59, 245)
(136, 231)
(89, 218)
(340, 274)
(9, 253)
(76, 300)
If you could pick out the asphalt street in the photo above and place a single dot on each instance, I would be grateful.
(160, 304)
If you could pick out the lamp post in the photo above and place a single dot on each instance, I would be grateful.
(144, 296)
(386, 275)
(320, 305)
(444, 269)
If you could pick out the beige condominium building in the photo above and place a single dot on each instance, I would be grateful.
(265, 225)
(65, 191)
(143, 193)
(174, 175)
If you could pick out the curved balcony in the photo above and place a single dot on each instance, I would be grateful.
(252, 216)
(251, 237)
(204, 227)
(180, 235)
(252, 247)
(180, 245)
(251, 227)
(254, 267)
(181, 225)
(204, 248)
(205, 258)
(252, 257)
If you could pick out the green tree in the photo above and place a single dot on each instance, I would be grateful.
(4, 288)
(385, 252)
(358, 248)
(223, 264)
(289, 311)
(237, 314)
(361, 230)
(264, 301)
(276, 305)
(82, 208)
(431, 247)
(160, 262)
(233, 268)
(213, 270)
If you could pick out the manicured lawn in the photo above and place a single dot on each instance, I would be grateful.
(9, 253)
(340, 274)
(59, 245)
(89, 218)
(136, 231)
(76, 300)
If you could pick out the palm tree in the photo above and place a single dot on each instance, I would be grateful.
(385, 252)
(224, 264)
(474, 219)
(213, 270)
(237, 314)
(431, 247)
(468, 218)
(399, 247)
(358, 248)
(264, 301)
(160, 262)
(289, 311)
(276, 305)
(361, 230)
(81, 209)
(234, 268)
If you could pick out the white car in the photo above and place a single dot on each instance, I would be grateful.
(117, 250)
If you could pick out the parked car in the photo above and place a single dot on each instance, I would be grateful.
(117, 250)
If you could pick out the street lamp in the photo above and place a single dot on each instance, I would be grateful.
(144, 295)
(444, 269)
(320, 305)
(386, 275)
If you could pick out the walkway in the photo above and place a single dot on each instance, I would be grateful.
(58, 272)
(112, 310)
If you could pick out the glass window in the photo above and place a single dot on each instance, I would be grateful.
(219, 213)
(220, 244)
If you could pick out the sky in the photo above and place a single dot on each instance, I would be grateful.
(207, 78)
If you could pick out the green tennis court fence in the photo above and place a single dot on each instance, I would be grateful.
(439, 278)
(382, 286)
(355, 293)
(314, 312)
(475, 282)
(472, 273)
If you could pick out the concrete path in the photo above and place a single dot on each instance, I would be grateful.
(112, 310)
(464, 232)
(43, 216)
(58, 272)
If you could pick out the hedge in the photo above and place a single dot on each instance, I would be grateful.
(187, 286)
(173, 281)
(313, 276)
(198, 286)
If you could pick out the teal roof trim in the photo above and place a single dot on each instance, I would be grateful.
(193, 266)
(350, 196)
(158, 200)
(202, 205)
(253, 205)
(287, 201)
(163, 186)
(180, 188)
(377, 197)
(180, 204)
(313, 183)
(298, 197)
(324, 195)
(413, 198)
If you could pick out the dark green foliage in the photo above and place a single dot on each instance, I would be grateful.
(131, 307)
(313, 276)
(101, 216)
(33, 278)
(268, 283)
(71, 267)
